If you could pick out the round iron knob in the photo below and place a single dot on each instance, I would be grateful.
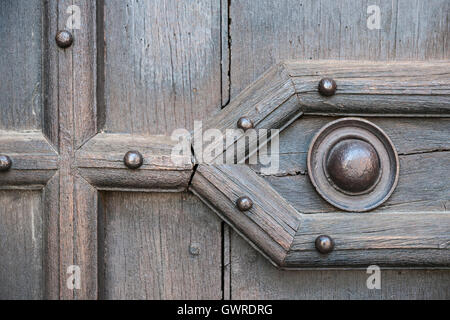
(245, 123)
(244, 203)
(324, 244)
(5, 163)
(353, 165)
(133, 159)
(64, 39)
(327, 87)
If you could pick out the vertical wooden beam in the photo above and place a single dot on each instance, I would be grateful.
(71, 88)
(51, 238)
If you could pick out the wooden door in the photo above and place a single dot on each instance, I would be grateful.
(135, 72)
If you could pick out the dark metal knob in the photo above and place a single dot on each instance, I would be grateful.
(353, 165)
(244, 203)
(327, 87)
(5, 163)
(64, 39)
(245, 123)
(133, 159)
(324, 244)
(194, 249)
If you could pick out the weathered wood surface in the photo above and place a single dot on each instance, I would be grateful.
(371, 234)
(34, 161)
(162, 64)
(162, 70)
(270, 224)
(21, 245)
(21, 31)
(369, 87)
(262, 34)
(254, 277)
(71, 90)
(289, 89)
(176, 69)
(50, 216)
(145, 242)
(423, 148)
(100, 162)
(266, 32)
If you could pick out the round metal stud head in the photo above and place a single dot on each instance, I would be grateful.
(353, 165)
(324, 244)
(194, 249)
(5, 163)
(245, 123)
(64, 39)
(327, 87)
(244, 203)
(133, 159)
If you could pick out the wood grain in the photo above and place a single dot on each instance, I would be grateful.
(423, 150)
(145, 244)
(21, 245)
(34, 161)
(21, 68)
(50, 213)
(163, 64)
(264, 33)
(269, 103)
(368, 87)
(270, 224)
(100, 162)
(267, 32)
(253, 277)
(71, 76)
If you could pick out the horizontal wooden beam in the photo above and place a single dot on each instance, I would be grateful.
(412, 88)
(100, 162)
(34, 160)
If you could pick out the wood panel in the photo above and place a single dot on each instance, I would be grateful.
(270, 224)
(263, 33)
(423, 149)
(253, 277)
(71, 91)
(21, 34)
(145, 242)
(100, 162)
(21, 245)
(266, 32)
(162, 64)
(367, 87)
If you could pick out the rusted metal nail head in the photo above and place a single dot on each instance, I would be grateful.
(194, 249)
(245, 123)
(64, 39)
(5, 163)
(244, 203)
(327, 87)
(133, 159)
(324, 244)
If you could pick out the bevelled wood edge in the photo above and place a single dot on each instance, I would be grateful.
(100, 162)
(364, 88)
(411, 238)
(34, 161)
(270, 102)
(270, 224)
(370, 88)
